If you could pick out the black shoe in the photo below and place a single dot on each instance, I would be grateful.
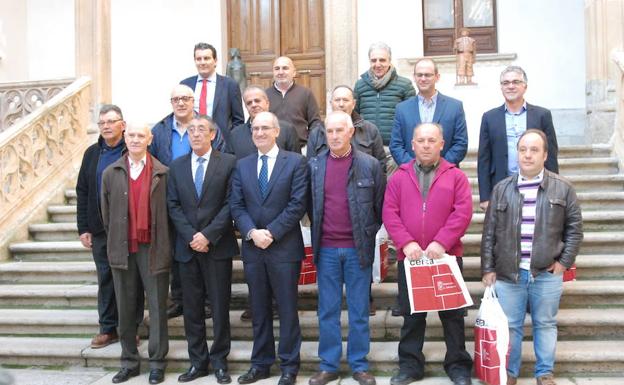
(246, 315)
(124, 374)
(287, 379)
(396, 311)
(253, 375)
(223, 377)
(192, 374)
(175, 310)
(156, 376)
(208, 311)
(462, 381)
(404, 379)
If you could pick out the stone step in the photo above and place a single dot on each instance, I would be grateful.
(577, 294)
(62, 213)
(48, 272)
(573, 324)
(71, 197)
(569, 166)
(572, 357)
(50, 251)
(56, 231)
(589, 201)
(582, 183)
(566, 152)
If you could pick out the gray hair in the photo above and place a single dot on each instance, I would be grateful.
(212, 126)
(255, 87)
(106, 108)
(516, 69)
(342, 115)
(440, 129)
(380, 45)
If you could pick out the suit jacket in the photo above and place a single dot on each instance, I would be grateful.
(449, 113)
(208, 214)
(227, 108)
(241, 144)
(492, 158)
(279, 212)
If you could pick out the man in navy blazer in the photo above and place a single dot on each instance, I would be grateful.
(221, 99)
(269, 195)
(502, 126)
(197, 197)
(429, 106)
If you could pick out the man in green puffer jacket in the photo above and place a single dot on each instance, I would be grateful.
(380, 89)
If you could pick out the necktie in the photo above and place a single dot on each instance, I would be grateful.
(199, 176)
(202, 97)
(263, 178)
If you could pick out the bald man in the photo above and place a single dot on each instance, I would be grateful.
(134, 214)
(291, 102)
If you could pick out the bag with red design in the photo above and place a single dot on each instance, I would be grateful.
(491, 340)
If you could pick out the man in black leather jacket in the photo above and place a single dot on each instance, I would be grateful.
(532, 234)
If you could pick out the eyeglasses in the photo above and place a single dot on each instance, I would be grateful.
(199, 130)
(261, 128)
(507, 83)
(178, 99)
(424, 75)
(109, 122)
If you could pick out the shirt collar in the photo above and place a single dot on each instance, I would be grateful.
(272, 153)
(346, 155)
(434, 98)
(211, 79)
(206, 156)
(522, 110)
(538, 178)
(134, 164)
(287, 89)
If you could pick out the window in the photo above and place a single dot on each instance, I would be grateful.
(444, 19)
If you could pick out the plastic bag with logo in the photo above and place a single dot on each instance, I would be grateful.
(491, 340)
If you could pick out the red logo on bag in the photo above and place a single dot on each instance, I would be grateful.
(445, 284)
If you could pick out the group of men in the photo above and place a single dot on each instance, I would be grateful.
(170, 199)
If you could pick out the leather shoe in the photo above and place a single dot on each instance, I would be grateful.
(396, 311)
(253, 375)
(104, 339)
(192, 374)
(246, 315)
(511, 380)
(287, 379)
(156, 376)
(124, 374)
(322, 378)
(223, 377)
(208, 311)
(462, 381)
(364, 378)
(175, 310)
(404, 379)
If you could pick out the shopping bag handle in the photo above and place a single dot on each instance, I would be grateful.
(490, 292)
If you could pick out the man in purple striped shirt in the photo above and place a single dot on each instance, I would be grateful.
(527, 263)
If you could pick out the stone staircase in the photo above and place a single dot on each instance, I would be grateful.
(48, 293)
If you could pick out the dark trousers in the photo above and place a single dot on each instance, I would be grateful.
(267, 279)
(127, 284)
(457, 361)
(107, 307)
(201, 277)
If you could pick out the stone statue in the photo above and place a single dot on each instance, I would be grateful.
(466, 49)
(236, 68)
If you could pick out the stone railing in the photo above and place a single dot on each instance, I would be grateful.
(618, 132)
(21, 98)
(39, 156)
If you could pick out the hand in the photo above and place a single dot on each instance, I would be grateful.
(86, 240)
(434, 250)
(489, 278)
(556, 268)
(412, 251)
(199, 243)
(484, 205)
(262, 238)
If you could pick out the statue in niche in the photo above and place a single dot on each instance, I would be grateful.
(236, 68)
(466, 50)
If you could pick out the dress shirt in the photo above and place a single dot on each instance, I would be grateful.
(136, 167)
(426, 108)
(272, 157)
(515, 125)
(210, 92)
(195, 163)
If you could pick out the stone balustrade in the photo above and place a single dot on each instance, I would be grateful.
(39, 156)
(618, 133)
(18, 99)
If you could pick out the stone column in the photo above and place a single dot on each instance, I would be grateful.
(341, 48)
(93, 49)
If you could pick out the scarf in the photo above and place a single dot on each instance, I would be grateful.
(383, 81)
(139, 217)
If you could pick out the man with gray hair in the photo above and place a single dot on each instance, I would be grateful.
(380, 89)
(502, 126)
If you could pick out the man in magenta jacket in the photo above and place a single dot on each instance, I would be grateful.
(427, 209)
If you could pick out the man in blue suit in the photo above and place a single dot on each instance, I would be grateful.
(429, 106)
(500, 129)
(197, 197)
(216, 96)
(269, 195)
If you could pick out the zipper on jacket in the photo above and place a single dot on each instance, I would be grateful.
(424, 208)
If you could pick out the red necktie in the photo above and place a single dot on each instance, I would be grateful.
(202, 98)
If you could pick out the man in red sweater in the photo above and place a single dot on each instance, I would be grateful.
(427, 209)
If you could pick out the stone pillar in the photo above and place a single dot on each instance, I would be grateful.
(341, 44)
(93, 49)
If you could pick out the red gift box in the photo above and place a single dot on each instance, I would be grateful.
(308, 268)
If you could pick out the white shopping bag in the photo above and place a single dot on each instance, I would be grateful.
(491, 340)
(380, 263)
(435, 284)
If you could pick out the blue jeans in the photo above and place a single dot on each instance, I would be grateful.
(542, 293)
(335, 267)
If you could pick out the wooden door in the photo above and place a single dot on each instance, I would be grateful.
(266, 29)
